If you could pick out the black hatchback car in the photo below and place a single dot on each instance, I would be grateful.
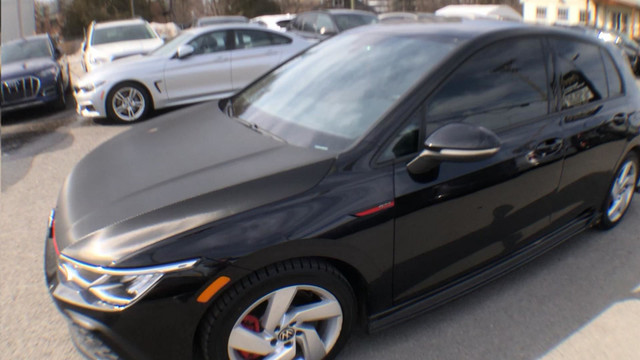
(374, 176)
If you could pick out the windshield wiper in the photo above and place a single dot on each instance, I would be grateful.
(256, 128)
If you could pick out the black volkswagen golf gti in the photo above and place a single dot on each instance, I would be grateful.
(375, 176)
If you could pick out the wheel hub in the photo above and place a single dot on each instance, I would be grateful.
(286, 334)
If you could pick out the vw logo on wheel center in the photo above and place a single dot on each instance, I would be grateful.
(286, 334)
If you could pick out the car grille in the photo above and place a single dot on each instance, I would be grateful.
(20, 89)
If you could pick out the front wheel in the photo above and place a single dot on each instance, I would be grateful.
(620, 193)
(128, 102)
(299, 309)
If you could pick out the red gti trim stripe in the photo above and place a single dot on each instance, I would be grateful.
(53, 237)
(373, 210)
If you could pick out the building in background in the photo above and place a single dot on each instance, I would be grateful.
(620, 15)
(18, 19)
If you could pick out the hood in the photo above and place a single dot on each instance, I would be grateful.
(171, 175)
(124, 48)
(26, 67)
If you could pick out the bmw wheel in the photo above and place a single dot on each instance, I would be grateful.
(128, 102)
(299, 309)
(621, 192)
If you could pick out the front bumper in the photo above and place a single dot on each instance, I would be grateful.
(91, 104)
(47, 93)
(162, 325)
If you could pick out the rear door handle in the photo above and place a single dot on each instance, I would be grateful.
(544, 149)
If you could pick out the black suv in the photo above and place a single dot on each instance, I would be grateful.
(413, 163)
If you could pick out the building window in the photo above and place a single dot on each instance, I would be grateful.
(541, 12)
(583, 16)
(563, 14)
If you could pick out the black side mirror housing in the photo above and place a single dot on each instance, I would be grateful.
(458, 142)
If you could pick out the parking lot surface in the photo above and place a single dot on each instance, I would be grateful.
(579, 301)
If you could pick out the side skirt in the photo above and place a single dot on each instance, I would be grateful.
(412, 308)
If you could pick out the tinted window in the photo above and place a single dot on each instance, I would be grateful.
(348, 21)
(613, 77)
(252, 38)
(279, 39)
(406, 141)
(499, 86)
(209, 43)
(308, 23)
(348, 85)
(325, 25)
(25, 49)
(582, 77)
(121, 33)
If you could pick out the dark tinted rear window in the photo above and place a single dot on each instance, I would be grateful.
(348, 21)
(582, 74)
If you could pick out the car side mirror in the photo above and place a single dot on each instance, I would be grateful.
(185, 50)
(457, 142)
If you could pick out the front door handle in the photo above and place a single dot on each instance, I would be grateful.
(619, 119)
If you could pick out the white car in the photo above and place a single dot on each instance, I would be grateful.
(108, 41)
(199, 64)
(274, 22)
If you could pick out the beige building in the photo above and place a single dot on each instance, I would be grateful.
(620, 15)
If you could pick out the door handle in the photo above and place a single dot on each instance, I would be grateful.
(619, 119)
(544, 149)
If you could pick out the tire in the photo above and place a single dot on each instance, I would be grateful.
(239, 319)
(128, 102)
(61, 101)
(621, 191)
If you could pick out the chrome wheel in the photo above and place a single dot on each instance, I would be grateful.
(622, 190)
(128, 103)
(295, 322)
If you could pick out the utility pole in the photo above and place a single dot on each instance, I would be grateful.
(353, 4)
(586, 18)
(133, 12)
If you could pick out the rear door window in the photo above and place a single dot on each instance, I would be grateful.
(581, 71)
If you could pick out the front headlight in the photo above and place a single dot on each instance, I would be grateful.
(52, 71)
(109, 289)
(89, 87)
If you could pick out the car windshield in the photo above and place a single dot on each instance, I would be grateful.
(24, 50)
(171, 47)
(348, 21)
(121, 33)
(329, 96)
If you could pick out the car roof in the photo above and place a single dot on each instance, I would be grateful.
(345, 11)
(469, 28)
(109, 24)
(227, 26)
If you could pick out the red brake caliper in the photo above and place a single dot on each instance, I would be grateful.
(252, 323)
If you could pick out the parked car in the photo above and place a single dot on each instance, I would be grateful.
(321, 24)
(218, 20)
(199, 64)
(630, 47)
(338, 189)
(112, 40)
(278, 22)
(34, 72)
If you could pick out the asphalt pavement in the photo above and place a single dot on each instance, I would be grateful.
(579, 301)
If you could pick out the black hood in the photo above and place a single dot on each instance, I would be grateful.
(169, 175)
(26, 67)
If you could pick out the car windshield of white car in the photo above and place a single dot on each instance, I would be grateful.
(24, 50)
(329, 97)
(121, 33)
